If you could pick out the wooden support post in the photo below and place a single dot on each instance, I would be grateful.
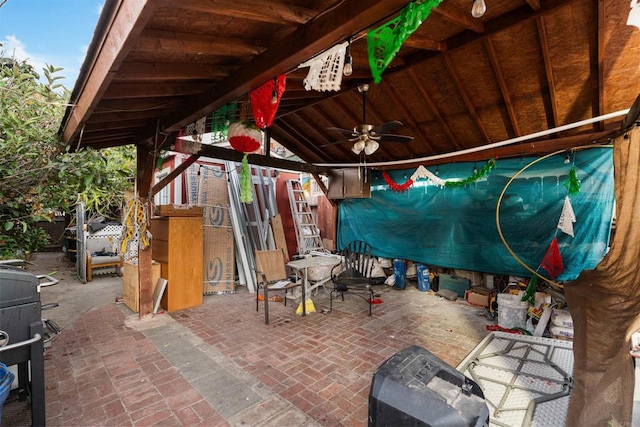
(145, 167)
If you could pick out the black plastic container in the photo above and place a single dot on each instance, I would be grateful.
(415, 388)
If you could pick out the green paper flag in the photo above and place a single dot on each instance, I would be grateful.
(530, 293)
(246, 193)
(572, 184)
(385, 41)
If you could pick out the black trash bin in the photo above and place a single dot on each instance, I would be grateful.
(415, 388)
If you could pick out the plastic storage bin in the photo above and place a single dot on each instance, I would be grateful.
(512, 313)
(422, 272)
(459, 285)
(400, 273)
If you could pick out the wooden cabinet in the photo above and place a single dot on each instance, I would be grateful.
(177, 245)
(350, 183)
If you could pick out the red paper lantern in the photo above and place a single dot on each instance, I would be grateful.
(244, 138)
(265, 101)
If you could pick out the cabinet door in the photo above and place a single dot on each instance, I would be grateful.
(350, 183)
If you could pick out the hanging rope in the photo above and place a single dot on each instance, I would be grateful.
(135, 226)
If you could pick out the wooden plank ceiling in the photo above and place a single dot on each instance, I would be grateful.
(457, 83)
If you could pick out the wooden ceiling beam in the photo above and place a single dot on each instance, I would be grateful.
(302, 94)
(534, 4)
(125, 135)
(601, 40)
(285, 139)
(128, 105)
(424, 43)
(191, 147)
(269, 11)
(345, 19)
(402, 108)
(465, 96)
(544, 46)
(101, 144)
(495, 26)
(433, 108)
(309, 148)
(171, 71)
(504, 90)
(124, 25)
(112, 125)
(198, 44)
(313, 124)
(459, 16)
(343, 149)
(106, 117)
(153, 90)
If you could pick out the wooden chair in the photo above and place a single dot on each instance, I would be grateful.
(100, 256)
(271, 274)
(353, 274)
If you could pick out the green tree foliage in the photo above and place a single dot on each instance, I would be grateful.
(39, 175)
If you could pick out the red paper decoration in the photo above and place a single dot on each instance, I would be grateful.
(552, 261)
(396, 187)
(265, 101)
(244, 143)
(244, 138)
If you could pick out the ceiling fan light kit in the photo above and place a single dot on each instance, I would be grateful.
(371, 146)
(358, 147)
(366, 137)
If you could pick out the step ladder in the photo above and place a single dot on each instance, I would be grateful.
(307, 232)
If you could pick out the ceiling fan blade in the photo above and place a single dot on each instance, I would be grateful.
(351, 140)
(387, 127)
(344, 131)
(390, 137)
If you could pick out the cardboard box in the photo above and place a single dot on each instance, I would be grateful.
(478, 296)
(219, 251)
(130, 287)
(219, 260)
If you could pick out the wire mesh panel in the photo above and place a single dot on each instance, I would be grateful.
(527, 381)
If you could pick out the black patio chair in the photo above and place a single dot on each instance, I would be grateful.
(353, 274)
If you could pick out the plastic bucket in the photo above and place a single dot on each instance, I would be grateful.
(6, 379)
(422, 272)
(400, 273)
(512, 313)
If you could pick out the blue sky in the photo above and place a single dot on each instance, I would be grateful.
(54, 32)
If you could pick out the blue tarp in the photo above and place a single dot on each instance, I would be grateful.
(456, 227)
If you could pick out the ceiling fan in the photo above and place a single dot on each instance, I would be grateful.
(368, 137)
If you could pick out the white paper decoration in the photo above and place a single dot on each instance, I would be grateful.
(567, 218)
(325, 69)
(422, 172)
